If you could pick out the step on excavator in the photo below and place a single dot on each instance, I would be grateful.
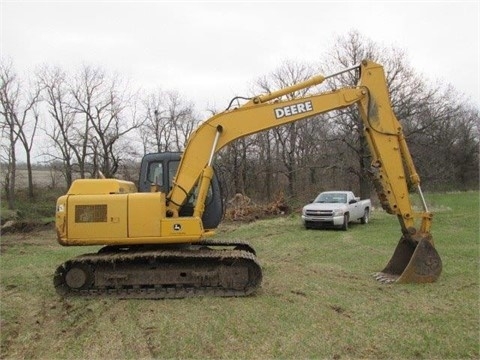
(156, 240)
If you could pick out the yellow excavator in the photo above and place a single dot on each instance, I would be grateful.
(157, 241)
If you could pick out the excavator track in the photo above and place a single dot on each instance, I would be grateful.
(161, 272)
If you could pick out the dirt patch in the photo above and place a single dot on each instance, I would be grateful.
(242, 208)
(40, 235)
(19, 226)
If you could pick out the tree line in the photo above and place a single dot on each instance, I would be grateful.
(91, 121)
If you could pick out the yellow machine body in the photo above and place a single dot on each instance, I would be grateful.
(111, 212)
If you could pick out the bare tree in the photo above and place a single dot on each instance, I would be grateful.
(27, 125)
(108, 113)
(447, 150)
(61, 130)
(287, 138)
(9, 92)
(181, 117)
(156, 131)
(19, 124)
(169, 121)
(265, 143)
(466, 149)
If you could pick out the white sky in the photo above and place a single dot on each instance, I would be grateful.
(212, 51)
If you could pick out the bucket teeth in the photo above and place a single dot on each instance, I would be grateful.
(385, 278)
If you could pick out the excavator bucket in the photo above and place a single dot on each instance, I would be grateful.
(413, 261)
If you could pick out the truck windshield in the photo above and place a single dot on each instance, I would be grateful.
(330, 198)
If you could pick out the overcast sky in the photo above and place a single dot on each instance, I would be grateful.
(212, 51)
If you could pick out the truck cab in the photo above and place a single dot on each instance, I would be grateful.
(336, 209)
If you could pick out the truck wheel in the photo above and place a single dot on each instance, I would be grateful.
(345, 222)
(366, 216)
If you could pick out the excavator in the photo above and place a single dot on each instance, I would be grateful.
(157, 243)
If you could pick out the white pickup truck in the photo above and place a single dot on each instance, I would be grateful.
(336, 209)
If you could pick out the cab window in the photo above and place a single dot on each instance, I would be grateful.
(155, 173)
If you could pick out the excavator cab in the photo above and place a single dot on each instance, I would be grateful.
(159, 169)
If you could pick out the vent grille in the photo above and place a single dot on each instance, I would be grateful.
(90, 213)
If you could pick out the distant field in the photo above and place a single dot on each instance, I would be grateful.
(41, 178)
(318, 299)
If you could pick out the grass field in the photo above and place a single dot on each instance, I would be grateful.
(318, 299)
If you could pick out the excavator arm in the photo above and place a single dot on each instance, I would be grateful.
(415, 258)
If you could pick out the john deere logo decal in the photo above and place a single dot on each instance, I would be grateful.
(294, 109)
(177, 227)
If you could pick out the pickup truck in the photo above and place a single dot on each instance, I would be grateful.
(336, 209)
